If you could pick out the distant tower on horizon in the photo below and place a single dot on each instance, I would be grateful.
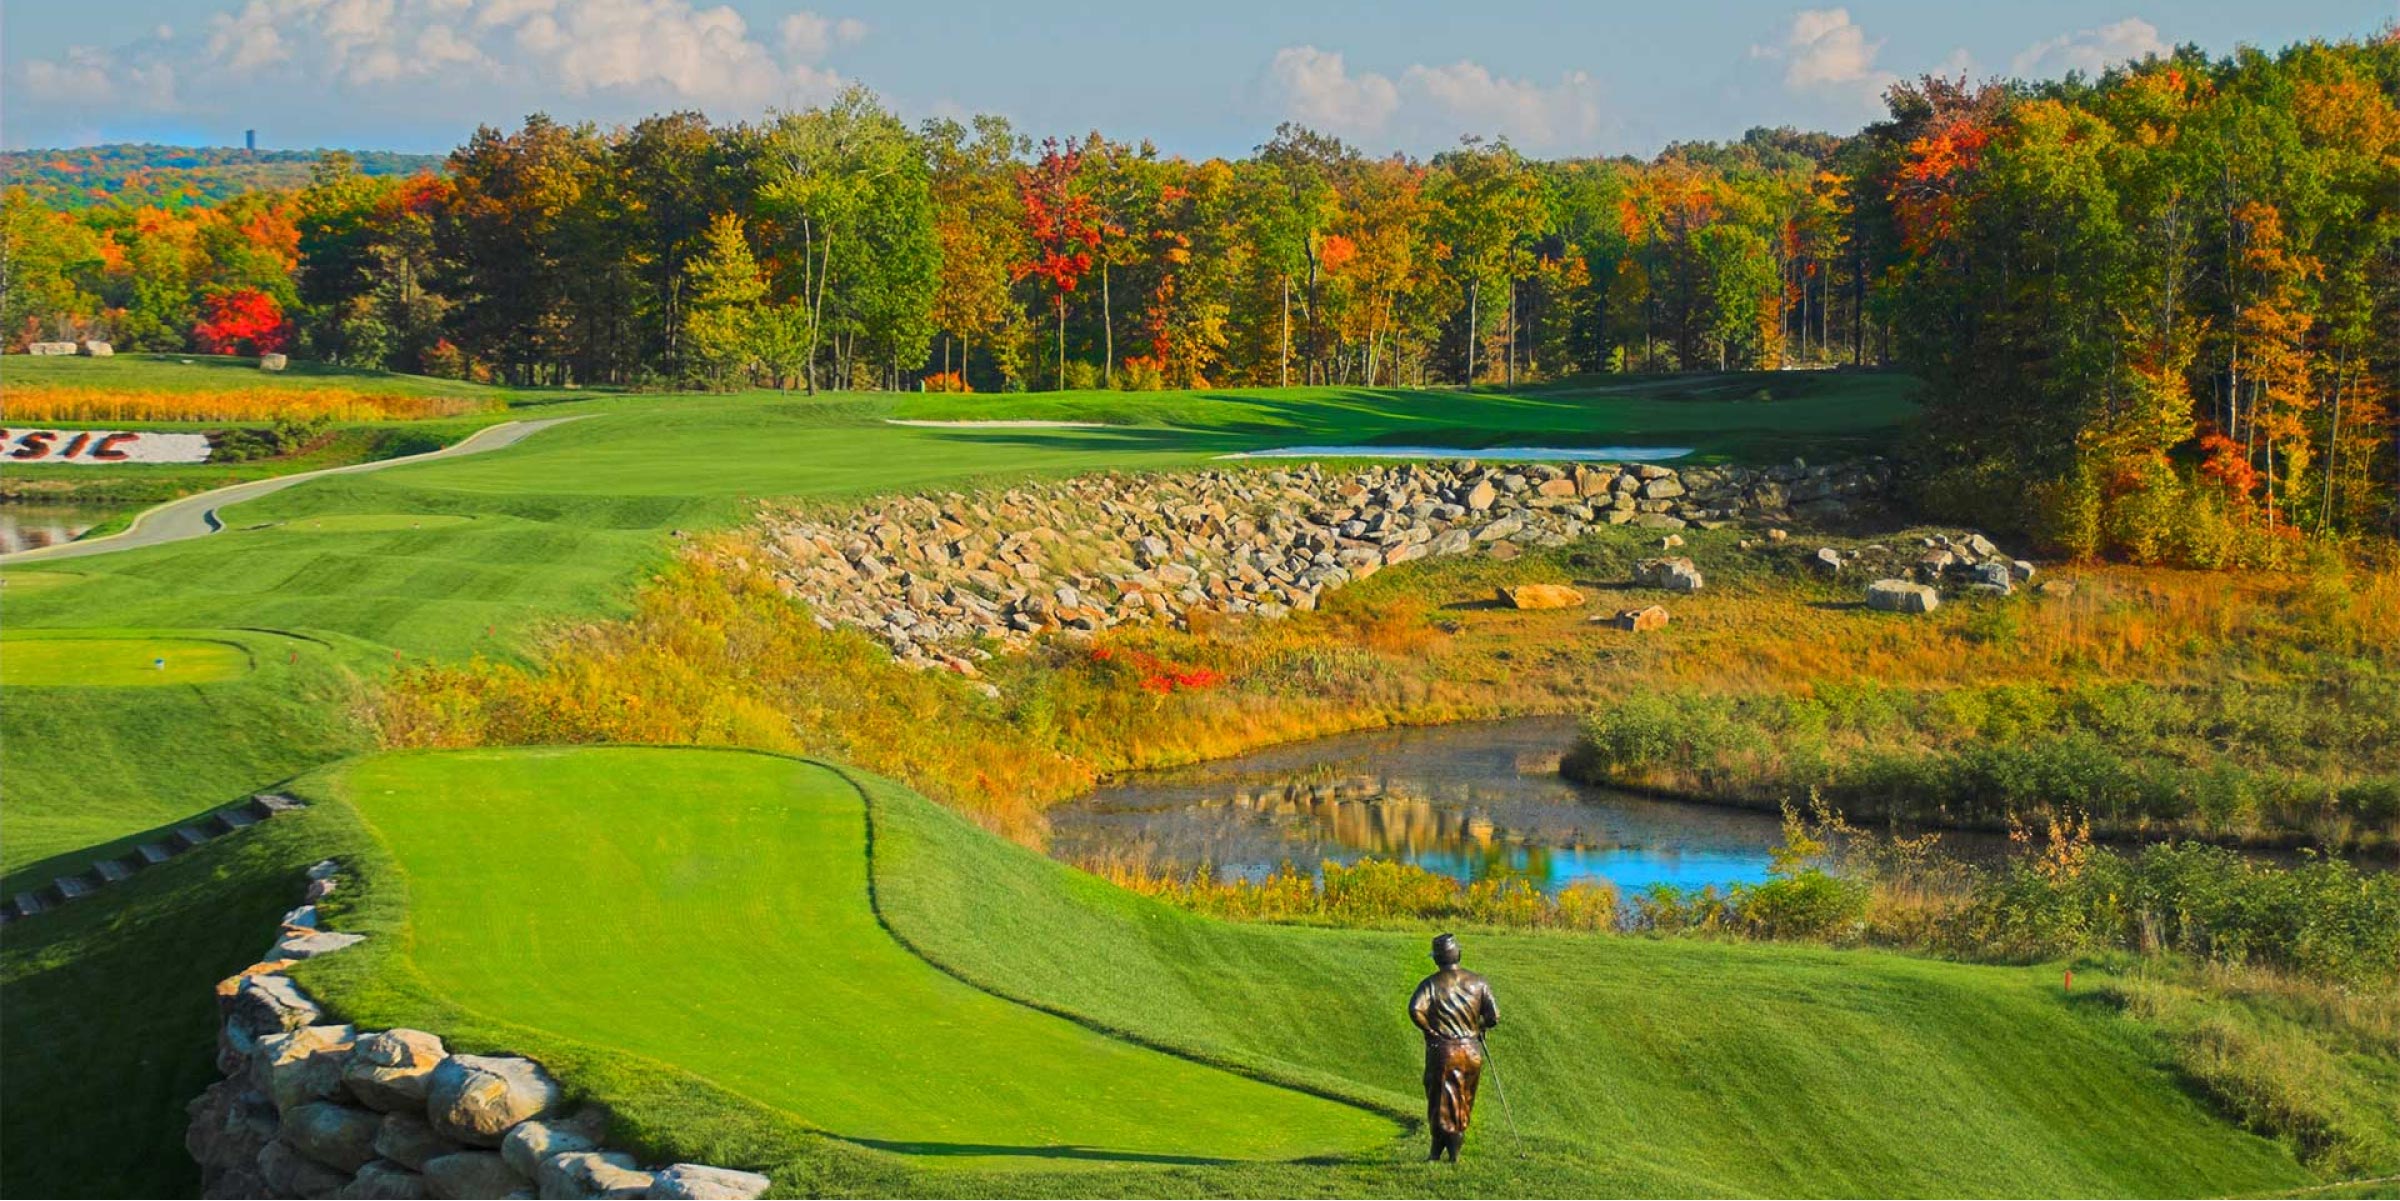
(250, 139)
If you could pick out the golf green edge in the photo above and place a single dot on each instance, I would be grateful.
(740, 877)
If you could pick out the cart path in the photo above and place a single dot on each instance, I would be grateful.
(195, 516)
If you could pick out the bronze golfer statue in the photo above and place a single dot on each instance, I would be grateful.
(1453, 1007)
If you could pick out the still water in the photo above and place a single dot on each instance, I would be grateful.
(1471, 801)
(26, 525)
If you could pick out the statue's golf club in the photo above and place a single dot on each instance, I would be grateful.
(1516, 1141)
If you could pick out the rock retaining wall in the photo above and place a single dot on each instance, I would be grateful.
(312, 1108)
(933, 576)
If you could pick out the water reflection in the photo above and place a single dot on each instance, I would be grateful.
(1471, 801)
(30, 524)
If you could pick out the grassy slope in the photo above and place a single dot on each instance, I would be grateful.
(709, 909)
(89, 769)
(109, 1021)
(1753, 416)
(1632, 1067)
(1764, 1069)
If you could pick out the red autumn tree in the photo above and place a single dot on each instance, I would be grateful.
(1063, 223)
(241, 321)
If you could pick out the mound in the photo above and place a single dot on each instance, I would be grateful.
(709, 909)
(56, 662)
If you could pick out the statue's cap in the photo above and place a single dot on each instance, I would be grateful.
(1445, 948)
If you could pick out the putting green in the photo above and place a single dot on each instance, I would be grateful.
(709, 909)
(118, 662)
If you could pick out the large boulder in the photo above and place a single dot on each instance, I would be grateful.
(409, 1140)
(1902, 596)
(577, 1174)
(392, 1070)
(529, 1143)
(476, 1098)
(383, 1180)
(338, 1136)
(288, 1173)
(1675, 575)
(1541, 596)
(304, 1065)
(98, 349)
(272, 362)
(265, 1003)
(700, 1182)
(471, 1176)
(1642, 620)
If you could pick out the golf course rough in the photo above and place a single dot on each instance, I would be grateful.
(710, 909)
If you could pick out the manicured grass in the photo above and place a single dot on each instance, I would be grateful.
(706, 913)
(1760, 416)
(367, 523)
(109, 1028)
(1634, 1066)
(89, 769)
(118, 662)
(709, 909)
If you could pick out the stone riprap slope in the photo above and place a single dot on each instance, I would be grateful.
(934, 576)
(314, 1108)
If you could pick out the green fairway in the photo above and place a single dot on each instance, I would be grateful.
(709, 909)
(118, 662)
(369, 523)
(657, 918)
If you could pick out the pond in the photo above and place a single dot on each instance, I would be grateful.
(1471, 801)
(25, 525)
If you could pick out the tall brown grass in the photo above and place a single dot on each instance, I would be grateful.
(23, 404)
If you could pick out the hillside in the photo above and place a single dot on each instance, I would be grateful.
(142, 173)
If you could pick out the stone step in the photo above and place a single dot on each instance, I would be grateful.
(236, 819)
(75, 888)
(268, 804)
(154, 853)
(26, 904)
(191, 836)
(112, 870)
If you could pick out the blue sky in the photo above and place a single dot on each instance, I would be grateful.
(1199, 77)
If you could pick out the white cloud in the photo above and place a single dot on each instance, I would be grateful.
(80, 77)
(1828, 58)
(1823, 46)
(808, 36)
(474, 59)
(1428, 106)
(1315, 87)
(2091, 51)
(1538, 117)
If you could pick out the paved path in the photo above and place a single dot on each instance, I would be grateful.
(196, 515)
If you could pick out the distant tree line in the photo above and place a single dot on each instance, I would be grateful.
(2159, 304)
(137, 173)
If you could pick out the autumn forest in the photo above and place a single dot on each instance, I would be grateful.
(2158, 304)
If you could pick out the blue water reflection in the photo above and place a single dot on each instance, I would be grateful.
(1471, 801)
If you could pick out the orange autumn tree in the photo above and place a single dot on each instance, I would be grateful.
(1062, 223)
